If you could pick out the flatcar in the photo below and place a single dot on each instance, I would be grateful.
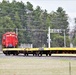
(10, 46)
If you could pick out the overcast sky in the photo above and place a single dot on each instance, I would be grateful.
(51, 5)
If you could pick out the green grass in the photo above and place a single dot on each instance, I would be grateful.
(36, 66)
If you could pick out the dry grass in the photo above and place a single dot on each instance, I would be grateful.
(36, 66)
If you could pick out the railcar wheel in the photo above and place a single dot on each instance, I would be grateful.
(24, 54)
(33, 54)
(16, 53)
(40, 54)
(37, 54)
(49, 54)
(13, 53)
(46, 54)
(6, 53)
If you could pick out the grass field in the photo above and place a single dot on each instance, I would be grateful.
(36, 66)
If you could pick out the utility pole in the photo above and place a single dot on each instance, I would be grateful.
(64, 39)
(17, 31)
(49, 40)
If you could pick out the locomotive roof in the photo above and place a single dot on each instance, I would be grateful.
(10, 33)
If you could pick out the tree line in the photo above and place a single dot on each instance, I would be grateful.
(32, 24)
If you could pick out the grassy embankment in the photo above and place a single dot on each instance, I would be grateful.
(36, 66)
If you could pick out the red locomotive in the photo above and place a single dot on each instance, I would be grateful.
(9, 40)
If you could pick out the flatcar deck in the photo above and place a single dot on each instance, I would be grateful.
(38, 49)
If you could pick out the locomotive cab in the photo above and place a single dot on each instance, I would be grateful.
(9, 40)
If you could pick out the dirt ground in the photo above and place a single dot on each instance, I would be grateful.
(37, 66)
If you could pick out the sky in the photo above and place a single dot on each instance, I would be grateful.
(51, 5)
